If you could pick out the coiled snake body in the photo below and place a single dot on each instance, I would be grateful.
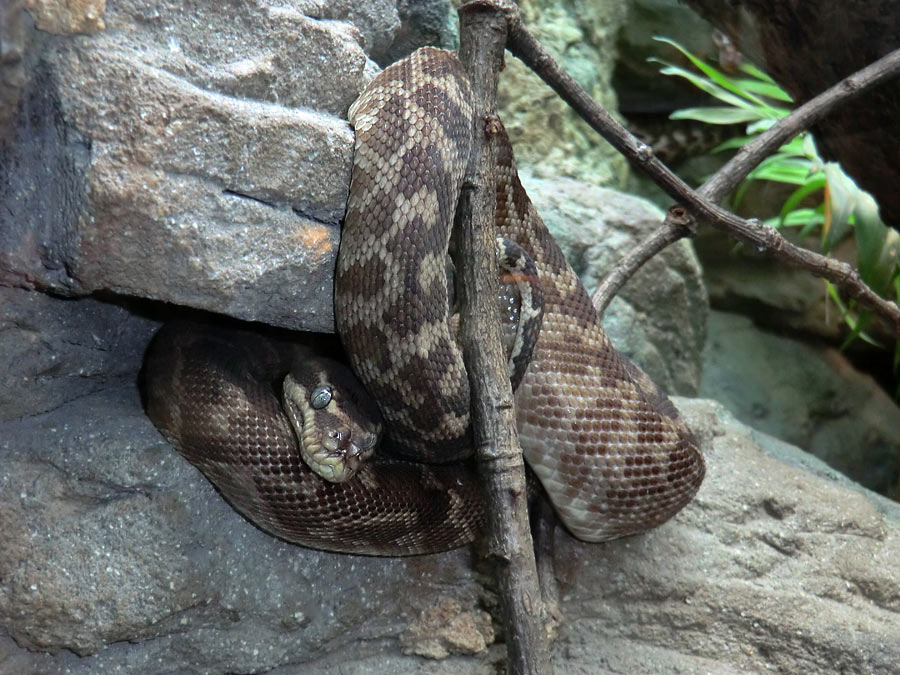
(607, 445)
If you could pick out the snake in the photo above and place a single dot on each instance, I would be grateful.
(391, 469)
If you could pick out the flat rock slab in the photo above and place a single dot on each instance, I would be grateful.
(120, 557)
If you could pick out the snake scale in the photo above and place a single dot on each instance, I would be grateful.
(608, 447)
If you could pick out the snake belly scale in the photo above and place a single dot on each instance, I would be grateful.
(608, 447)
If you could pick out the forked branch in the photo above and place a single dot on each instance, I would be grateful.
(701, 204)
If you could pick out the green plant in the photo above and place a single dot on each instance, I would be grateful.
(824, 199)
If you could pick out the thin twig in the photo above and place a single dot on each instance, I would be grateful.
(501, 468)
(761, 237)
(677, 225)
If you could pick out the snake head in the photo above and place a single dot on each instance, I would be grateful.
(336, 422)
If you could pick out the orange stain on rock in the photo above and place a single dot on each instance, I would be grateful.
(314, 238)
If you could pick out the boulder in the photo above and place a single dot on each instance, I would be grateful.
(808, 395)
(547, 134)
(120, 557)
(199, 166)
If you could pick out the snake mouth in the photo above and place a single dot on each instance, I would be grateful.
(338, 464)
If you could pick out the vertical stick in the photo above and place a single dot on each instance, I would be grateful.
(482, 40)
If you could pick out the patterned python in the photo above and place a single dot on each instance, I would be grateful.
(609, 448)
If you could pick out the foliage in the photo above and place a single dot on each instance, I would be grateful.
(824, 200)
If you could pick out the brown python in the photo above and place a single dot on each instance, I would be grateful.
(609, 448)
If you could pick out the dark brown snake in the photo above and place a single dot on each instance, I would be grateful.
(609, 448)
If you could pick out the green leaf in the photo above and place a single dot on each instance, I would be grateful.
(782, 171)
(804, 218)
(708, 86)
(761, 126)
(796, 146)
(877, 246)
(755, 72)
(856, 331)
(856, 326)
(842, 196)
(809, 146)
(813, 183)
(714, 74)
(767, 89)
(716, 115)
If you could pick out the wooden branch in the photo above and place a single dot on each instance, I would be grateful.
(677, 225)
(501, 468)
(761, 237)
(727, 178)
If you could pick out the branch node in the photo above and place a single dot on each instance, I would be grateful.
(643, 152)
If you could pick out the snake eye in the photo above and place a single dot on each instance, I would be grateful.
(320, 397)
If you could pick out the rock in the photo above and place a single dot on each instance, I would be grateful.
(14, 43)
(424, 22)
(659, 317)
(808, 396)
(111, 537)
(774, 295)
(377, 20)
(120, 558)
(67, 17)
(55, 351)
(545, 132)
(780, 564)
(446, 629)
(640, 87)
(208, 168)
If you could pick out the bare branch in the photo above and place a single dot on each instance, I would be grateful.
(501, 468)
(678, 224)
(761, 237)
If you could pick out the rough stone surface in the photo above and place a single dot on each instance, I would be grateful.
(377, 20)
(424, 22)
(119, 557)
(546, 133)
(659, 317)
(198, 155)
(67, 17)
(188, 154)
(446, 628)
(808, 396)
(15, 39)
(54, 351)
(640, 87)
(774, 295)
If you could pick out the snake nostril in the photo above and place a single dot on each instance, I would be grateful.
(341, 437)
